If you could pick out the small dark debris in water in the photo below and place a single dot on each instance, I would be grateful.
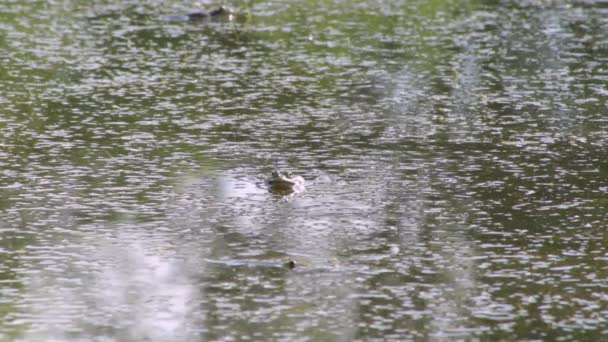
(203, 14)
(290, 264)
(198, 15)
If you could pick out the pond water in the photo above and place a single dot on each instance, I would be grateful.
(454, 152)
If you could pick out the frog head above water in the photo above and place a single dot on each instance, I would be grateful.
(285, 182)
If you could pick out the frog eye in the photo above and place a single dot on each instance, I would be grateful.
(288, 174)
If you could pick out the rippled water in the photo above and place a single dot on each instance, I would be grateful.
(455, 154)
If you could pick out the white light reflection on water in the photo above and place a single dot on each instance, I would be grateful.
(122, 279)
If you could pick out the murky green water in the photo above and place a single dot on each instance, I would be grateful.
(455, 154)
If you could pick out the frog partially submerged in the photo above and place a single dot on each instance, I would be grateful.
(285, 183)
(220, 12)
(198, 15)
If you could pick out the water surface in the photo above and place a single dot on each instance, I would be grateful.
(454, 152)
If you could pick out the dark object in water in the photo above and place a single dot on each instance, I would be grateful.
(290, 264)
(202, 14)
(198, 15)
